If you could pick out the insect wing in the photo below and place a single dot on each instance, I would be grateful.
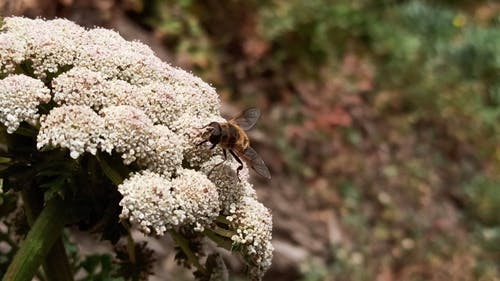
(247, 119)
(255, 161)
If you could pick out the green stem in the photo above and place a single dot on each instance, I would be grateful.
(42, 236)
(6, 237)
(32, 204)
(183, 243)
(221, 242)
(56, 264)
(131, 247)
(223, 232)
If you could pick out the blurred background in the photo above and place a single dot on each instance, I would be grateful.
(380, 123)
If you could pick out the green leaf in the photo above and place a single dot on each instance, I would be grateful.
(113, 174)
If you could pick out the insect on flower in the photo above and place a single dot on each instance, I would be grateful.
(231, 136)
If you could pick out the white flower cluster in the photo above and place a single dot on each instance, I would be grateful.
(115, 96)
(253, 224)
(124, 129)
(157, 204)
(106, 51)
(12, 52)
(77, 128)
(199, 198)
(160, 101)
(47, 49)
(223, 175)
(20, 96)
(248, 217)
(128, 132)
(82, 86)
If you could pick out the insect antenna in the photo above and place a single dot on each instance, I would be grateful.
(200, 128)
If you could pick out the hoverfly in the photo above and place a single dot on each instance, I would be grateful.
(231, 136)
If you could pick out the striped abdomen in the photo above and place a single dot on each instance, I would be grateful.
(233, 137)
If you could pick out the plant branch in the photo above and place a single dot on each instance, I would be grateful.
(130, 244)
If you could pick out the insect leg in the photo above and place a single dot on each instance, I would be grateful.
(202, 142)
(239, 161)
(225, 154)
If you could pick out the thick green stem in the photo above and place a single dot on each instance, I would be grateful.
(34, 249)
(56, 264)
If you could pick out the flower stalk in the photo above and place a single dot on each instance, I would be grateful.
(56, 264)
(39, 242)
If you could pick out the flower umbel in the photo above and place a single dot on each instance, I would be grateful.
(20, 97)
(91, 94)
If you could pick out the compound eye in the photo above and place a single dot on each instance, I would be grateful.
(215, 128)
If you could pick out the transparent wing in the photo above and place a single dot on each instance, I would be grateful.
(247, 119)
(253, 160)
